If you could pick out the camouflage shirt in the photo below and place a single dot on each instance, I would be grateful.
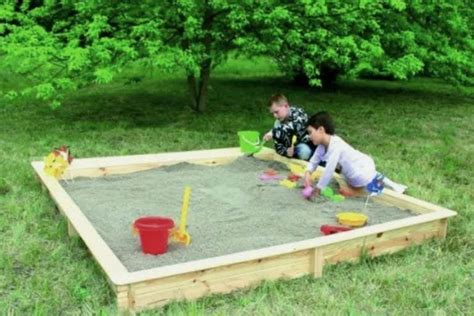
(295, 124)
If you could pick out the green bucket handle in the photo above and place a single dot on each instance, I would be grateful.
(257, 146)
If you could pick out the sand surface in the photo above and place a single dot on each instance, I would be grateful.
(231, 209)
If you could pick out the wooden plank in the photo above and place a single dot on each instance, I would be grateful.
(403, 201)
(247, 267)
(97, 246)
(98, 167)
(443, 229)
(317, 262)
(198, 284)
(123, 297)
(70, 229)
(191, 266)
(225, 279)
(381, 243)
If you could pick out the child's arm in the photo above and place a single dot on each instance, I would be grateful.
(268, 136)
(331, 164)
(280, 138)
(312, 165)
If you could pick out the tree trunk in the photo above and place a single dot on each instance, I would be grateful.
(327, 74)
(198, 89)
(301, 79)
(192, 91)
(203, 85)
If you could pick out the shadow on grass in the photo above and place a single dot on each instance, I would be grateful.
(165, 103)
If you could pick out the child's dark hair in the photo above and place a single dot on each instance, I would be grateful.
(322, 119)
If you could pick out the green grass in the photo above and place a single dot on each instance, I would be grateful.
(420, 133)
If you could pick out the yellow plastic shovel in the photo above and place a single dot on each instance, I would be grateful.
(180, 235)
(293, 141)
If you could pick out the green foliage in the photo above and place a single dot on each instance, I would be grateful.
(88, 42)
(91, 41)
(400, 39)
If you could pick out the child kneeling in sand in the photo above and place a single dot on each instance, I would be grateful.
(357, 168)
(290, 121)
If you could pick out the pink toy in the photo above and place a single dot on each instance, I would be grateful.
(268, 177)
(271, 172)
(307, 192)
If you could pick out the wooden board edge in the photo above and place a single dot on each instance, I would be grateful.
(101, 252)
(234, 258)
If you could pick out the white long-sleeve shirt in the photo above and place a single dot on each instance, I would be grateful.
(358, 168)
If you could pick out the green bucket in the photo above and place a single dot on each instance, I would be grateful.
(250, 142)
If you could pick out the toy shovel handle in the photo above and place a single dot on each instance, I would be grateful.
(293, 141)
(260, 146)
(184, 209)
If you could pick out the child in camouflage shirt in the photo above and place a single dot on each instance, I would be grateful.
(290, 121)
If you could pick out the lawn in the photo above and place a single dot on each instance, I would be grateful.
(420, 133)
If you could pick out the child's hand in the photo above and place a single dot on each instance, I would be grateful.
(290, 152)
(268, 136)
(307, 180)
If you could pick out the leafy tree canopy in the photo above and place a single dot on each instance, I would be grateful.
(61, 45)
(317, 40)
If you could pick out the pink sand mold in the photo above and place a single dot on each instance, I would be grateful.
(307, 192)
(268, 177)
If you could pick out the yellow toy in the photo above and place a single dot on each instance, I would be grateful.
(57, 161)
(352, 219)
(180, 235)
(296, 169)
(300, 171)
(293, 141)
(288, 184)
(54, 165)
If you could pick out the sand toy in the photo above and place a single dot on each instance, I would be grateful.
(288, 184)
(293, 177)
(293, 141)
(250, 142)
(57, 161)
(352, 219)
(307, 192)
(154, 232)
(180, 235)
(269, 174)
(296, 169)
(329, 193)
(333, 229)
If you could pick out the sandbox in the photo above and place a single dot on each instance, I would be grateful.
(244, 230)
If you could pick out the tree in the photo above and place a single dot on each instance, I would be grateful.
(314, 41)
(62, 45)
(430, 38)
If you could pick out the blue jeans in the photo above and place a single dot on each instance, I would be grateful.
(303, 151)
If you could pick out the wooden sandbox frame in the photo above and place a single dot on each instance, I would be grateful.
(158, 286)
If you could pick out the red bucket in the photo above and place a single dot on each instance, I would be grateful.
(154, 232)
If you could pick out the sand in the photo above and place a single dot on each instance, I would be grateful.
(231, 210)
